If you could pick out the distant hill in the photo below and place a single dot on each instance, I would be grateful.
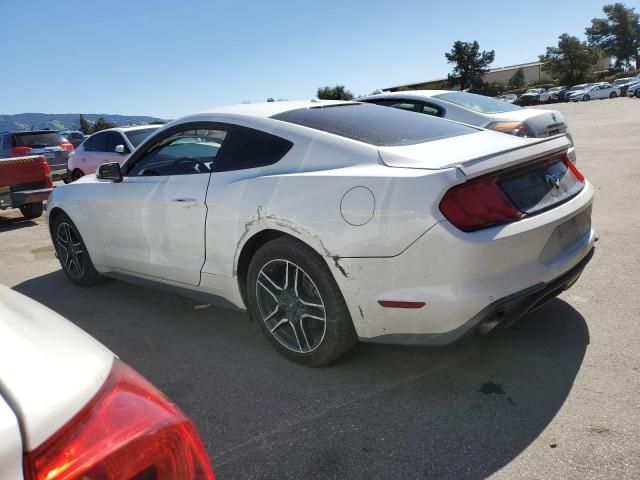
(64, 121)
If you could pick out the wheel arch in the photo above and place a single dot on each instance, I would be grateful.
(251, 246)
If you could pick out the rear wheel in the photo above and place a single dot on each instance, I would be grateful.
(32, 210)
(76, 174)
(586, 98)
(72, 253)
(637, 93)
(613, 95)
(293, 295)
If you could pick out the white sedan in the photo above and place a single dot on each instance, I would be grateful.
(69, 409)
(336, 221)
(111, 145)
(599, 90)
(478, 110)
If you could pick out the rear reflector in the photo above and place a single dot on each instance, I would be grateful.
(478, 204)
(20, 151)
(400, 304)
(129, 430)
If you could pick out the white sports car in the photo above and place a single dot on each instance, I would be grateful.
(69, 409)
(336, 221)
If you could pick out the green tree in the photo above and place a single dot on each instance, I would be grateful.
(618, 34)
(85, 126)
(102, 124)
(470, 64)
(339, 92)
(571, 61)
(517, 80)
(271, 99)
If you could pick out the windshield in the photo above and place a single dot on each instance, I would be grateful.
(374, 124)
(477, 103)
(39, 139)
(136, 137)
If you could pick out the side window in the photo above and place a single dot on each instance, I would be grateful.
(402, 105)
(184, 152)
(249, 148)
(113, 140)
(431, 109)
(97, 143)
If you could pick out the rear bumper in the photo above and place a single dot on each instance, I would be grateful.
(18, 199)
(458, 275)
(503, 312)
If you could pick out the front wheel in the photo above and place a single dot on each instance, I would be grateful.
(586, 98)
(72, 252)
(76, 174)
(613, 95)
(637, 93)
(293, 295)
(32, 210)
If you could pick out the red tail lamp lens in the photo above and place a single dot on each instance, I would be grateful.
(478, 204)
(46, 169)
(128, 430)
(67, 146)
(571, 166)
(20, 151)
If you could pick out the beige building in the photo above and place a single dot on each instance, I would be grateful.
(533, 72)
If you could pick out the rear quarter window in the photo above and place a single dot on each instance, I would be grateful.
(248, 148)
(374, 124)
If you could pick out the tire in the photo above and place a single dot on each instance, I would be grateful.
(76, 174)
(613, 95)
(72, 253)
(637, 93)
(315, 340)
(586, 98)
(32, 210)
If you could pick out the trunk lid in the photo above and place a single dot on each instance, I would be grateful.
(543, 123)
(49, 368)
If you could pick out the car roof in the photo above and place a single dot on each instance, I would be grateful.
(269, 109)
(408, 93)
(128, 129)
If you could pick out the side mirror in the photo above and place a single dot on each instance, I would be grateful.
(119, 149)
(110, 171)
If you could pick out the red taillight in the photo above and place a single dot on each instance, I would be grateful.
(571, 166)
(478, 204)
(128, 430)
(46, 170)
(20, 151)
(67, 146)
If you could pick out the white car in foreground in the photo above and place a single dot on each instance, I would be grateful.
(69, 409)
(333, 221)
(597, 91)
(111, 145)
(478, 110)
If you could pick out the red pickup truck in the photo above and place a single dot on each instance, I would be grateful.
(25, 183)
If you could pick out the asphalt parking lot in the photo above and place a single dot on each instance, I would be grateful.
(555, 396)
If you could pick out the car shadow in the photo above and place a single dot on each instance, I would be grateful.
(460, 411)
(7, 224)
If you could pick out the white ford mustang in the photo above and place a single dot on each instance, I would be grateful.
(336, 221)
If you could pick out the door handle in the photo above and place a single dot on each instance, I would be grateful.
(185, 202)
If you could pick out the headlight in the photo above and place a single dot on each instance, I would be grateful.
(519, 129)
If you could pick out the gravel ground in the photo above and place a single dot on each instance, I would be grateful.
(555, 396)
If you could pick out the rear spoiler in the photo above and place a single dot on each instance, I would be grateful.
(544, 147)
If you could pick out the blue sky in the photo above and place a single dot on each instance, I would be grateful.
(171, 58)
